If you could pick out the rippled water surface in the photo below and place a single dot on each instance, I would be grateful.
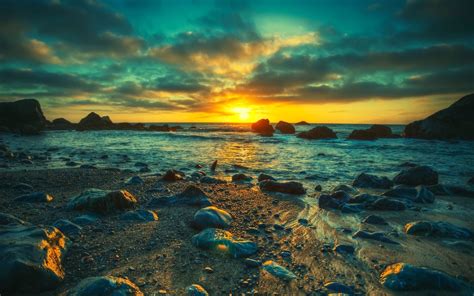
(286, 157)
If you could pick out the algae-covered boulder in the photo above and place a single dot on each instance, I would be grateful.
(105, 286)
(278, 271)
(103, 201)
(212, 217)
(223, 241)
(31, 258)
(406, 277)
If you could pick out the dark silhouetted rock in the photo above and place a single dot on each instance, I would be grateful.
(241, 178)
(105, 285)
(285, 127)
(264, 177)
(94, 121)
(419, 175)
(263, 127)
(223, 241)
(406, 277)
(135, 180)
(371, 181)
(362, 135)
(437, 229)
(283, 187)
(103, 201)
(61, 124)
(213, 165)
(346, 188)
(363, 198)
(317, 133)
(172, 176)
(278, 271)
(381, 131)
(335, 200)
(344, 249)
(302, 123)
(23, 116)
(192, 196)
(212, 217)
(31, 258)
(454, 122)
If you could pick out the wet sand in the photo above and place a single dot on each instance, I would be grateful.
(160, 258)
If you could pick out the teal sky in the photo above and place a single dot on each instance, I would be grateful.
(150, 60)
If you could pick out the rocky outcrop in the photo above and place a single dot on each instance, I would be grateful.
(263, 127)
(285, 127)
(319, 132)
(103, 201)
(454, 122)
(381, 131)
(105, 285)
(419, 175)
(31, 258)
(94, 121)
(302, 123)
(61, 124)
(23, 116)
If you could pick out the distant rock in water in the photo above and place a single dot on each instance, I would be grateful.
(319, 132)
(362, 135)
(263, 127)
(285, 127)
(302, 123)
(23, 116)
(94, 121)
(454, 122)
(61, 124)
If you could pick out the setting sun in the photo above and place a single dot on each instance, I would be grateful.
(243, 113)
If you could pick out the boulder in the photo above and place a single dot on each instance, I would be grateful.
(192, 196)
(419, 175)
(196, 290)
(212, 217)
(437, 229)
(378, 236)
(362, 135)
(67, 227)
(102, 201)
(94, 121)
(363, 198)
(371, 181)
(264, 177)
(282, 187)
(285, 127)
(263, 127)
(387, 204)
(278, 271)
(105, 285)
(140, 216)
(406, 277)
(302, 123)
(381, 131)
(23, 116)
(31, 258)
(454, 122)
(35, 197)
(223, 241)
(346, 188)
(374, 219)
(344, 249)
(335, 200)
(173, 175)
(319, 132)
(339, 288)
(419, 194)
(241, 178)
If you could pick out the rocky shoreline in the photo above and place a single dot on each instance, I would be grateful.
(455, 122)
(176, 234)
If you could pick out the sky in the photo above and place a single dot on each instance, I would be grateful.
(377, 61)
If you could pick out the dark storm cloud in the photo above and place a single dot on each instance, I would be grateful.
(77, 25)
(12, 78)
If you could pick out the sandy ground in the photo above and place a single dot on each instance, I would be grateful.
(159, 257)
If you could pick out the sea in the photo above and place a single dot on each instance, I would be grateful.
(238, 150)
